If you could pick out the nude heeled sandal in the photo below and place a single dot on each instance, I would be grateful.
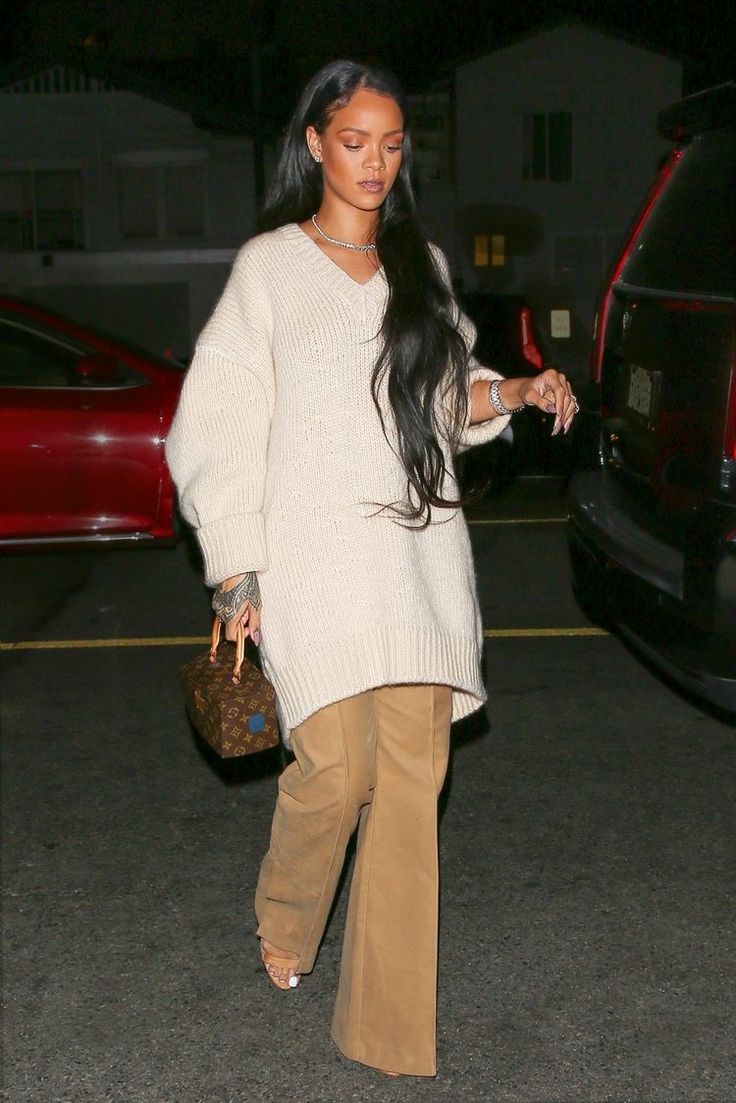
(276, 965)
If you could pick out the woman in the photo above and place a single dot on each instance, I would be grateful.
(312, 450)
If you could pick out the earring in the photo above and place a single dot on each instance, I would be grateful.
(317, 158)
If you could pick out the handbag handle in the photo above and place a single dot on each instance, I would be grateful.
(239, 647)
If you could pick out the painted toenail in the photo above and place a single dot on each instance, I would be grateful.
(293, 981)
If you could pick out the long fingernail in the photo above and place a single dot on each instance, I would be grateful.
(256, 637)
(550, 407)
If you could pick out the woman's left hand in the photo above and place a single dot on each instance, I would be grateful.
(551, 392)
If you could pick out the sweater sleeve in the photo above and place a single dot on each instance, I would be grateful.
(217, 446)
(481, 431)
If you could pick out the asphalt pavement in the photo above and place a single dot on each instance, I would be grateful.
(587, 838)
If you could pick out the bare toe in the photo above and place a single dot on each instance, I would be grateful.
(280, 965)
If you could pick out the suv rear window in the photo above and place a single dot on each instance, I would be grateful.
(687, 243)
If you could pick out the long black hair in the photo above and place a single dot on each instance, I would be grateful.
(424, 357)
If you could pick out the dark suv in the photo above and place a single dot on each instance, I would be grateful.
(652, 527)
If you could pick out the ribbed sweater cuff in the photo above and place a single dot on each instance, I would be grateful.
(482, 431)
(233, 546)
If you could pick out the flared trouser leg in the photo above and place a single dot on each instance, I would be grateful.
(320, 797)
(379, 758)
(385, 1012)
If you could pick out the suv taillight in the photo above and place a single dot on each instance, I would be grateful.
(728, 463)
(528, 344)
(599, 332)
(731, 423)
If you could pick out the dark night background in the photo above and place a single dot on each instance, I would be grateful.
(250, 57)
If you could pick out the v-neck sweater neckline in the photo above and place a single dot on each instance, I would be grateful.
(334, 275)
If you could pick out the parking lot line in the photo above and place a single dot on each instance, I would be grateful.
(517, 520)
(531, 633)
(200, 641)
(135, 641)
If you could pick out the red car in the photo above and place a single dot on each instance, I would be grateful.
(83, 420)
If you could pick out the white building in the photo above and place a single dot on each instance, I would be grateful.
(116, 208)
(556, 145)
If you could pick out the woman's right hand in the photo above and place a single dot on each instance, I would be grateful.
(233, 612)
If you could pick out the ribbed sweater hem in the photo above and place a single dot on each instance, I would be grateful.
(348, 665)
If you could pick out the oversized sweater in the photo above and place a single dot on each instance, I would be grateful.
(281, 464)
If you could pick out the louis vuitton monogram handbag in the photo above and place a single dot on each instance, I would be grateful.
(232, 705)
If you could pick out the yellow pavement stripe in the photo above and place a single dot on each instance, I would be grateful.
(199, 641)
(530, 633)
(140, 641)
(517, 521)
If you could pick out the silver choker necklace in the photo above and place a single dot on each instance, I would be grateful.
(343, 244)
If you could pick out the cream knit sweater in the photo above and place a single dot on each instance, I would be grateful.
(278, 455)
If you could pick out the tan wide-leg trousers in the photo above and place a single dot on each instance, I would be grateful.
(376, 761)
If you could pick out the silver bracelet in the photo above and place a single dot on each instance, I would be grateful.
(227, 602)
(495, 400)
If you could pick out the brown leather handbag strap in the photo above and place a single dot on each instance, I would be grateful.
(239, 647)
(239, 652)
(215, 641)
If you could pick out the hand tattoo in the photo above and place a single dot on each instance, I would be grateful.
(227, 602)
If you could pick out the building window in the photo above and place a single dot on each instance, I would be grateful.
(547, 146)
(162, 202)
(41, 209)
(489, 249)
